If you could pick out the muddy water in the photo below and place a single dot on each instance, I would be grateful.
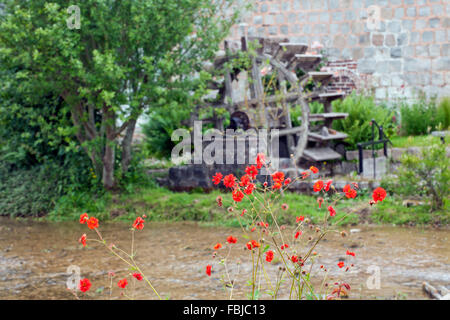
(34, 257)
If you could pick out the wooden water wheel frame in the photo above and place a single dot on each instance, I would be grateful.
(284, 58)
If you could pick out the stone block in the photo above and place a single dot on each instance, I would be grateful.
(424, 11)
(399, 13)
(434, 22)
(257, 20)
(390, 40)
(367, 66)
(394, 26)
(442, 64)
(377, 39)
(411, 12)
(428, 36)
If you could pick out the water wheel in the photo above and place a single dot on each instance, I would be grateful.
(297, 82)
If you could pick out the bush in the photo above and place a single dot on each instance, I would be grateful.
(361, 110)
(422, 116)
(426, 175)
(32, 191)
(443, 113)
(158, 131)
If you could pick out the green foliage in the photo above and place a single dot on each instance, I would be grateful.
(296, 112)
(34, 191)
(423, 116)
(158, 131)
(443, 113)
(427, 175)
(126, 57)
(362, 109)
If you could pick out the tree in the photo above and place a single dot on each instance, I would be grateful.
(110, 61)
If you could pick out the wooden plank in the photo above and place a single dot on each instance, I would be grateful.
(289, 50)
(285, 132)
(331, 95)
(321, 154)
(324, 116)
(313, 136)
(306, 62)
(287, 117)
(320, 76)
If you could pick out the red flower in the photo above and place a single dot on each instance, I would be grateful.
(278, 177)
(277, 185)
(251, 171)
(138, 223)
(138, 276)
(350, 253)
(122, 283)
(237, 195)
(379, 194)
(287, 181)
(219, 201)
(269, 256)
(284, 206)
(314, 169)
(231, 239)
(294, 259)
(260, 160)
(249, 189)
(327, 186)
(244, 211)
(320, 201)
(298, 234)
(341, 264)
(349, 192)
(255, 244)
(318, 186)
(305, 174)
(284, 246)
(84, 285)
(301, 218)
(245, 180)
(82, 240)
(208, 270)
(332, 211)
(218, 246)
(83, 218)
(92, 223)
(249, 245)
(229, 181)
(217, 178)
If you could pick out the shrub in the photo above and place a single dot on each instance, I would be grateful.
(361, 110)
(427, 174)
(443, 113)
(158, 131)
(421, 117)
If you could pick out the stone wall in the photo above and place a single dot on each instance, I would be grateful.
(397, 47)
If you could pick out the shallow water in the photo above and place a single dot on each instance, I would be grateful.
(34, 257)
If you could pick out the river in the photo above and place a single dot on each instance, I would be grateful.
(35, 255)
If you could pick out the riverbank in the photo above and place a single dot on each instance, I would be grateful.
(160, 204)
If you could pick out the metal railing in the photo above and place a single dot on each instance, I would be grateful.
(381, 139)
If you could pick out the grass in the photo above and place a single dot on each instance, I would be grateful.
(414, 141)
(160, 204)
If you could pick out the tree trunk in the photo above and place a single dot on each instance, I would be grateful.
(126, 145)
(108, 166)
(109, 155)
